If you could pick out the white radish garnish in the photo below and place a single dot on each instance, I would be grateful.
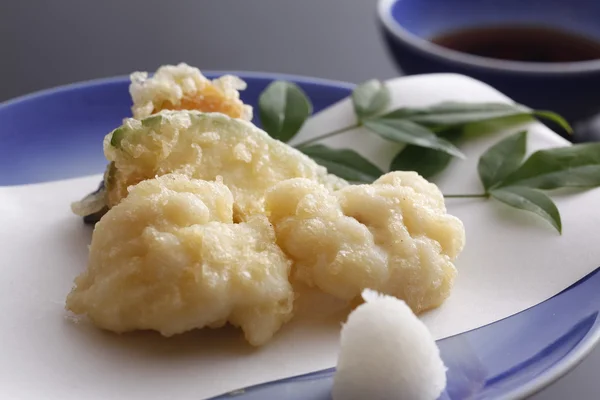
(387, 353)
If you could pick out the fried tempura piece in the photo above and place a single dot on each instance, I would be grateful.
(181, 87)
(393, 236)
(169, 258)
(204, 146)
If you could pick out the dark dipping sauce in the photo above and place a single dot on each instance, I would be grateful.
(521, 43)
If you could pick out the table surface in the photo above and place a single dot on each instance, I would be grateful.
(46, 44)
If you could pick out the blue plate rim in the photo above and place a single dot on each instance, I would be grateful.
(570, 362)
(121, 78)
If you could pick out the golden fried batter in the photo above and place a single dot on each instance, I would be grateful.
(393, 236)
(206, 146)
(169, 258)
(181, 87)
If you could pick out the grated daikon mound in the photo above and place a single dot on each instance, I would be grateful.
(387, 353)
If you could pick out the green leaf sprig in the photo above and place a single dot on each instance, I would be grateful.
(505, 177)
(429, 136)
(283, 107)
(370, 98)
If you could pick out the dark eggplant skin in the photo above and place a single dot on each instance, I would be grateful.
(93, 218)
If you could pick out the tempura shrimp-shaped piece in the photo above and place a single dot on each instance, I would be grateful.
(182, 87)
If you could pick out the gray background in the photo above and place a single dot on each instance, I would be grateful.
(49, 43)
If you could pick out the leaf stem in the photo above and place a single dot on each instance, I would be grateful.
(327, 135)
(467, 196)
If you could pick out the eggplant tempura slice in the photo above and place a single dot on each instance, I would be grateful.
(207, 146)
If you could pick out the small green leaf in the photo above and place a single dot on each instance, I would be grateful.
(531, 200)
(369, 98)
(458, 113)
(152, 121)
(452, 113)
(283, 107)
(502, 159)
(345, 163)
(117, 136)
(493, 126)
(570, 166)
(403, 131)
(426, 162)
(554, 117)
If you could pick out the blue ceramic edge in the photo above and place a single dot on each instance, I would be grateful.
(208, 73)
(587, 345)
(384, 14)
(573, 358)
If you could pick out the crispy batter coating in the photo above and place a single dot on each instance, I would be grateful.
(205, 146)
(169, 258)
(393, 236)
(182, 87)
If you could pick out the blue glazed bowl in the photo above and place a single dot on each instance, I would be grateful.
(570, 88)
